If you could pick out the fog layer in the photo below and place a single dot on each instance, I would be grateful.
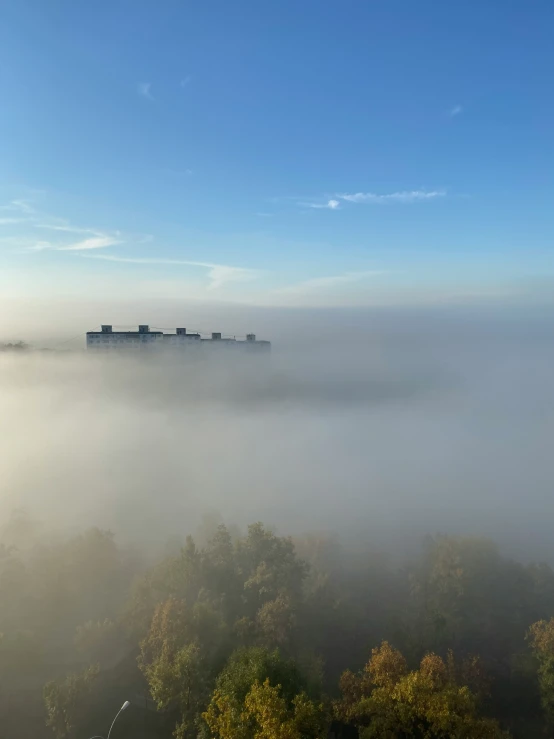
(388, 423)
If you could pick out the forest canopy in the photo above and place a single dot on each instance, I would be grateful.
(261, 636)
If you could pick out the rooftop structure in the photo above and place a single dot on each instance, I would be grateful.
(144, 338)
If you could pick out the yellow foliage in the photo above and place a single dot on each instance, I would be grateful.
(541, 636)
(265, 714)
(387, 701)
(386, 666)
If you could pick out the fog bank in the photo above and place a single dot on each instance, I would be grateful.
(394, 423)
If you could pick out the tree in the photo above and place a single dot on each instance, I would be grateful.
(65, 701)
(247, 666)
(272, 718)
(270, 567)
(388, 700)
(467, 597)
(541, 637)
(266, 714)
(177, 659)
(16, 346)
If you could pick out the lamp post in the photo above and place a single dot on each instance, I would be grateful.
(123, 708)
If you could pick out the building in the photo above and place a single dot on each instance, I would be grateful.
(144, 339)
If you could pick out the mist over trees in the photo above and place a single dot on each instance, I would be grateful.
(363, 626)
(253, 634)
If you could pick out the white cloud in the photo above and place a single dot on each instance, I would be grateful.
(90, 238)
(94, 242)
(405, 196)
(219, 274)
(456, 110)
(322, 283)
(143, 88)
(329, 205)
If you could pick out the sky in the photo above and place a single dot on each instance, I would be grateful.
(285, 153)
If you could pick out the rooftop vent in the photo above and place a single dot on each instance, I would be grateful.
(181, 331)
(143, 329)
(216, 336)
(106, 329)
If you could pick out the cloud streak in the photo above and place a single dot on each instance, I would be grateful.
(321, 283)
(456, 110)
(219, 274)
(372, 198)
(94, 242)
(404, 196)
(329, 205)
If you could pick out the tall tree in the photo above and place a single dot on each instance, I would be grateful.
(541, 638)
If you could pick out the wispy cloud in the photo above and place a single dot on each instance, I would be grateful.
(322, 283)
(144, 89)
(41, 246)
(67, 228)
(329, 205)
(219, 274)
(185, 81)
(95, 239)
(405, 196)
(21, 206)
(68, 236)
(456, 110)
(95, 242)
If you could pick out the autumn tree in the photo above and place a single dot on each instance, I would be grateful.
(271, 717)
(260, 695)
(388, 700)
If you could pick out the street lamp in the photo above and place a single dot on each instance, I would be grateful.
(123, 708)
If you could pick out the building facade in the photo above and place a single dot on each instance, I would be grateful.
(145, 340)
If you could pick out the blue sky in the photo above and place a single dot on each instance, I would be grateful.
(287, 153)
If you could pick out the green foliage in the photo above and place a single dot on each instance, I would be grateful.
(541, 638)
(248, 665)
(466, 597)
(65, 701)
(175, 658)
(258, 689)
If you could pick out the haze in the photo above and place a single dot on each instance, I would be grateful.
(387, 423)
